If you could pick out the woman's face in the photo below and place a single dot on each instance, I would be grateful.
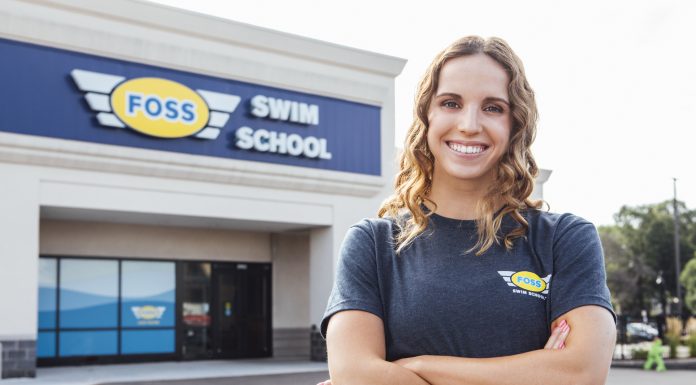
(470, 120)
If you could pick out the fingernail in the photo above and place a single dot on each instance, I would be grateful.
(566, 328)
(562, 323)
(562, 345)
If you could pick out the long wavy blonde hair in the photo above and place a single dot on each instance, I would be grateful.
(516, 169)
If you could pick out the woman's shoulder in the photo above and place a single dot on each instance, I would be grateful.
(549, 223)
(375, 226)
(564, 236)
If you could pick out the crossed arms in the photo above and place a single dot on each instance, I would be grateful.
(357, 356)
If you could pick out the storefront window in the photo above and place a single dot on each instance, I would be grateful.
(48, 276)
(196, 297)
(88, 300)
(147, 302)
(88, 293)
(105, 307)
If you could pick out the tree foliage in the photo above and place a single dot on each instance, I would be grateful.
(640, 245)
(688, 279)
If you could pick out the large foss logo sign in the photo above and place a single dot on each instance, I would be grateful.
(156, 107)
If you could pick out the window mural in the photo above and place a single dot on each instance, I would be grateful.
(102, 307)
(48, 278)
(147, 302)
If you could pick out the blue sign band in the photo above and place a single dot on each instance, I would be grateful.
(40, 97)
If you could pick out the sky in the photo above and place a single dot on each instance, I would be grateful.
(614, 80)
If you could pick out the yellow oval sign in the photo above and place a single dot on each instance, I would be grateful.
(159, 107)
(528, 281)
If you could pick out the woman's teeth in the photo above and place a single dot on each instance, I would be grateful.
(466, 149)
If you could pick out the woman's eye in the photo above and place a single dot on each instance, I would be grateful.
(450, 104)
(493, 109)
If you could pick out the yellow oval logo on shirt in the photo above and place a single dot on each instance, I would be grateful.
(159, 107)
(528, 281)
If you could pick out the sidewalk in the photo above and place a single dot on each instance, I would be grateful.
(186, 370)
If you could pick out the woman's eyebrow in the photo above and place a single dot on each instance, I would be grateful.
(497, 99)
(449, 94)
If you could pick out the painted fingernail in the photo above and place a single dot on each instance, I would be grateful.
(562, 345)
(562, 323)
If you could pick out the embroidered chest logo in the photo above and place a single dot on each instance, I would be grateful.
(527, 283)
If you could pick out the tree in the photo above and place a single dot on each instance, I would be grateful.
(688, 279)
(641, 244)
(626, 273)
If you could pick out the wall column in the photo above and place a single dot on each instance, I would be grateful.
(19, 235)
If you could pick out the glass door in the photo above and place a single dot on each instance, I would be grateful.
(256, 314)
(226, 312)
(242, 310)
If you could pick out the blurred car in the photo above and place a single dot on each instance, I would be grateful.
(638, 332)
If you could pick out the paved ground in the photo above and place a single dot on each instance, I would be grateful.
(187, 372)
(617, 376)
(622, 376)
(266, 371)
(311, 378)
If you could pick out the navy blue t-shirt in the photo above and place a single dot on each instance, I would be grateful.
(436, 299)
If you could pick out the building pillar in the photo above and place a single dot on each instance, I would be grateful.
(19, 235)
(322, 251)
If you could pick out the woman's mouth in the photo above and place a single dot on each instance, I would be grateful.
(467, 149)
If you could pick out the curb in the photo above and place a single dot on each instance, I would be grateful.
(670, 363)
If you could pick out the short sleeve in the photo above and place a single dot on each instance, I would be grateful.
(579, 276)
(356, 282)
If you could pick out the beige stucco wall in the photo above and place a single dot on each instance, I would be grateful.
(290, 280)
(140, 241)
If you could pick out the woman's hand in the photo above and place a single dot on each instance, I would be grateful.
(558, 336)
(556, 341)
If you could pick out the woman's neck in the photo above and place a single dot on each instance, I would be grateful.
(457, 200)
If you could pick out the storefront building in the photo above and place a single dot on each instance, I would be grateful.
(176, 186)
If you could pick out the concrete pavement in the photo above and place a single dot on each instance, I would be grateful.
(264, 371)
(617, 376)
(626, 376)
(191, 372)
(311, 378)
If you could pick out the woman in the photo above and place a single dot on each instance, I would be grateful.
(464, 280)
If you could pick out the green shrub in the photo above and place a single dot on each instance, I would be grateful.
(673, 341)
(640, 354)
(691, 343)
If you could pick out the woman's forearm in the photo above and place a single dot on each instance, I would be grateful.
(536, 367)
(374, 372)
(585, 359)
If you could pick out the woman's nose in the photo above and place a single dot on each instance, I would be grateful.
(468, 122)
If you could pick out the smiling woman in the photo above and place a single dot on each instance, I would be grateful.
(463, 275)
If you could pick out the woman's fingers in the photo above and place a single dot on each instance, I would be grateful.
(558, 336)
(560, 343)
(554, 336)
